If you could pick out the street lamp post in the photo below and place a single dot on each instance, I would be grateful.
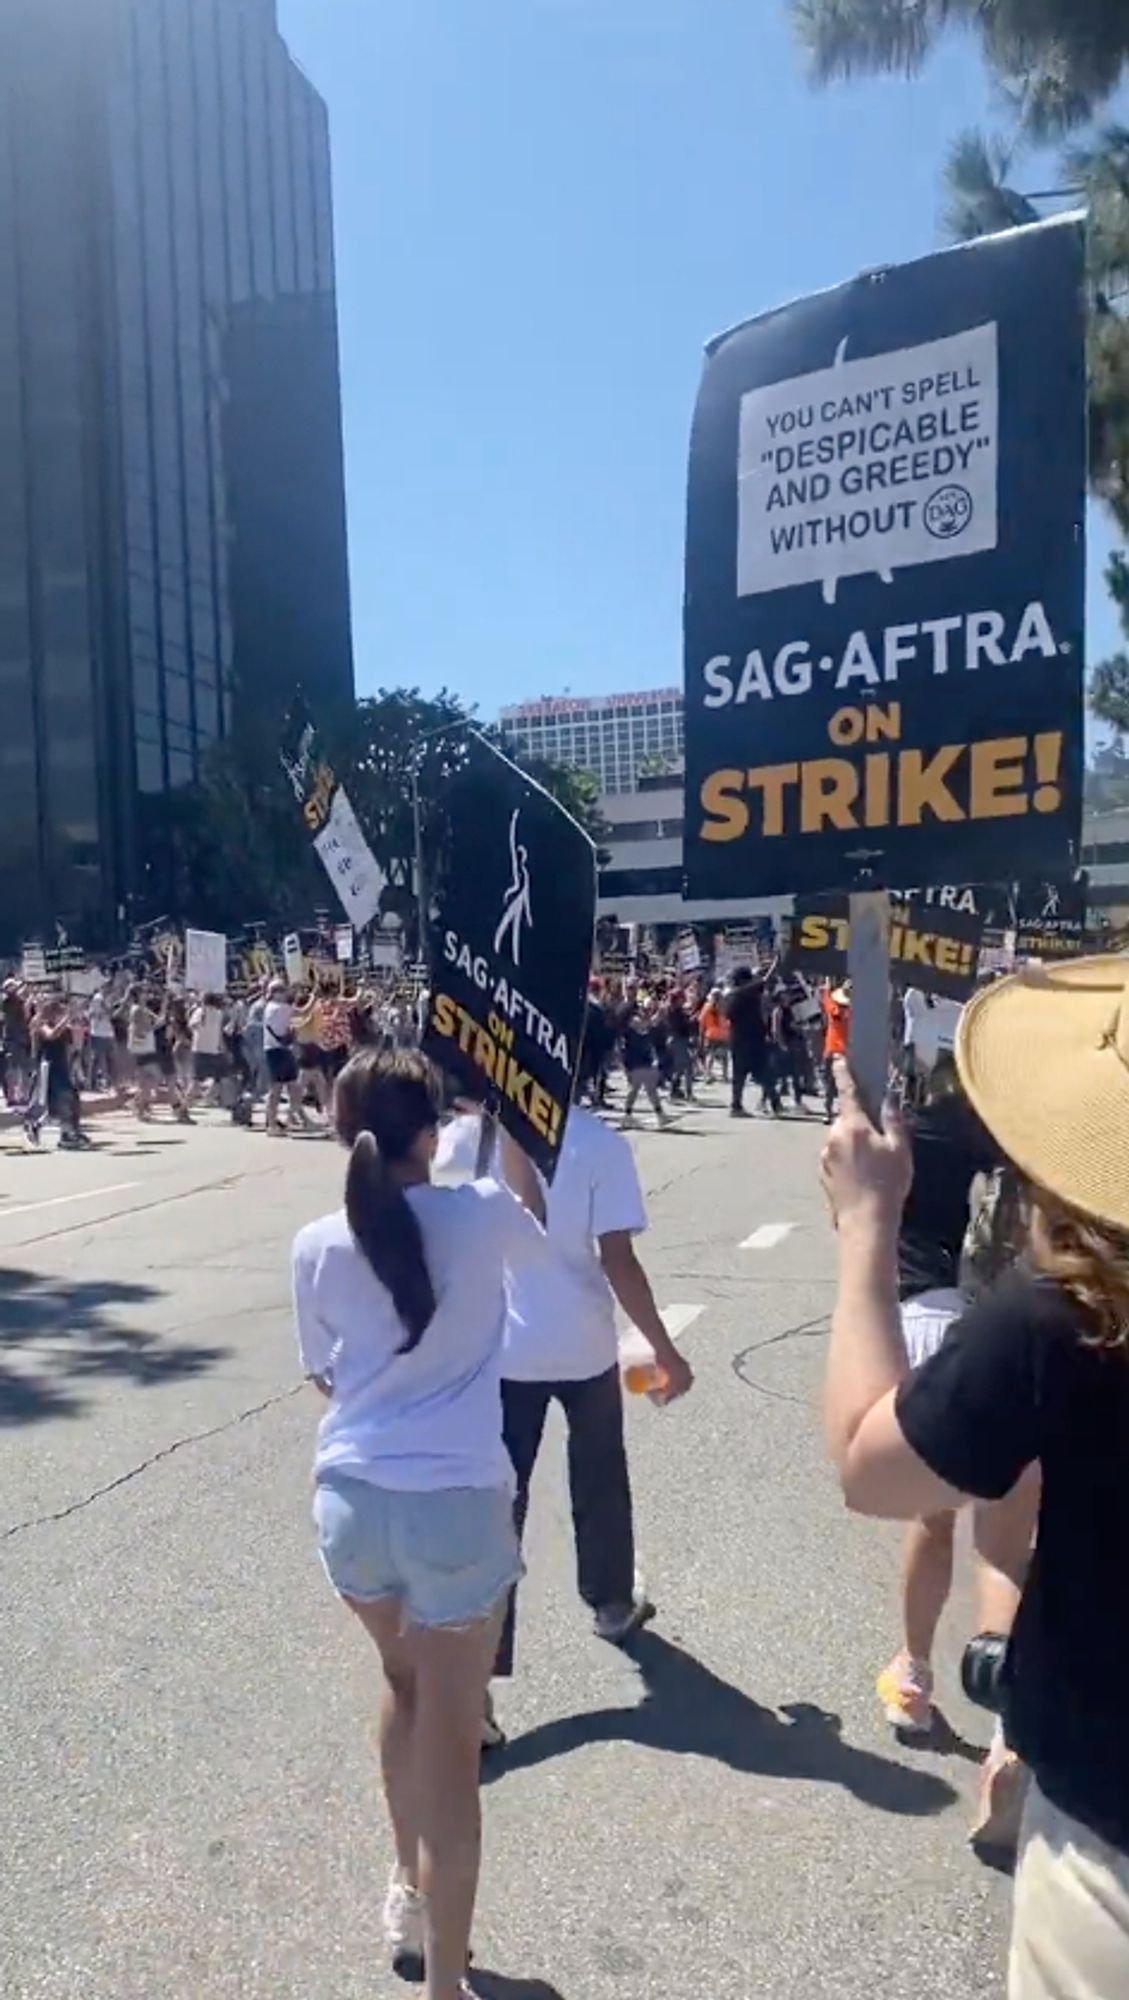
(421, 890)
(429, 736)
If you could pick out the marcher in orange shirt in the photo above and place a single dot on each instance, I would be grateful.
(835, 1006)
(714, 1031)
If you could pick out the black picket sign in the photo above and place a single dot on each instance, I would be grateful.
(1050, 919)
(932, 947)
(885, 576)
(511, 942)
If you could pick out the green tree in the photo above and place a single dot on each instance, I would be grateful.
(1109, 681)
(231, 849)
(398, 732)
(226, 851)
(980, 200)
(1056, 61)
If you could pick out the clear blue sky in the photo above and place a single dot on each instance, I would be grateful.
(544, 209)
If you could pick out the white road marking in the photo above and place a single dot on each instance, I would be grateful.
(59, 1200)
(768, 1236)
(678, 1319)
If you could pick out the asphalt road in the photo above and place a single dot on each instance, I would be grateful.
(189, 1804)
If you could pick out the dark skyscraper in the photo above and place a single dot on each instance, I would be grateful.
(172, 523)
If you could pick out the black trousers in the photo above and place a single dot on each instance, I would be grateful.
(598, 1483)
(752, 1061)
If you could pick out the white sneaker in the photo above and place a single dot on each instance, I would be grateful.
(405, 1922)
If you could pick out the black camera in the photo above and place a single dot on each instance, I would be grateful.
(982, 1670)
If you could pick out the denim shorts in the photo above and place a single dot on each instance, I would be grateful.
(449, 1557)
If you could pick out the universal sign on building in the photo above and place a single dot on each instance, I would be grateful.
(885, 579)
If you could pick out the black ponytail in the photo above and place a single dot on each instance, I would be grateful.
(383, 1103)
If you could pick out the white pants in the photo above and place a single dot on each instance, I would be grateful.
(1070, 1939)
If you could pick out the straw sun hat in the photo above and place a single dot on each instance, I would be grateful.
(1044, 1059)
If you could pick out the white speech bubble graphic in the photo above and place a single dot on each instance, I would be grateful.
(870, 465)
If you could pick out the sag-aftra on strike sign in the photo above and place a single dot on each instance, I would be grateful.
(885, 580)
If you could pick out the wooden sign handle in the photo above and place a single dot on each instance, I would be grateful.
(868, 963)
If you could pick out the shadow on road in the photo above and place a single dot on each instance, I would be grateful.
(494, 1986)
(689, 1711)
(70, 1332)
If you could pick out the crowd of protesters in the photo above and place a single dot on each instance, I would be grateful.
(146, 1043)
(773, 1030)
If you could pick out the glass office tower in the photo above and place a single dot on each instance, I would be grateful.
(172, 524)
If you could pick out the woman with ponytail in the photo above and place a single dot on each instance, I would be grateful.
(400, 1305)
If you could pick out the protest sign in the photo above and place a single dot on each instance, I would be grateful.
(48, 964)
(885, 579)
(511, 948)
(205, 961)
(385, 954)
(293, 959)
(83, 981)
(1050, 919)
(753, 946)
(338, 841)
(933, 948)
(343, 943)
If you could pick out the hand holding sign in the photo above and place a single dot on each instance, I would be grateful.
(866, 1166)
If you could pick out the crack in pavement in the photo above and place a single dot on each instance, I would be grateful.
(146, 1464)
(677, 1180)
(807, 1329)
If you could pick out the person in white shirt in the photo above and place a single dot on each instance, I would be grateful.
(930, 1027)
(282, 1066)
(101, 1043)
(400, 1306)
(561, 1345)
(205, 1022)
(142, 1043)
(253, 1043)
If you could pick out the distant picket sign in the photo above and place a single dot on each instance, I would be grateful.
(329, 818)
(205, 961)
(1051, 919)
(934, 948)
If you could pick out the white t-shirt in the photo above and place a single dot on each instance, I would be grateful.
(431, 1419)
(913, 1008)
(277, 1016)
(930, 1029)
(561, 1321)
(101, 1026)
(141, 1032)
(207, 1031)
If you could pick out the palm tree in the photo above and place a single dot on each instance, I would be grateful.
(980, 200)
(1057, 61)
